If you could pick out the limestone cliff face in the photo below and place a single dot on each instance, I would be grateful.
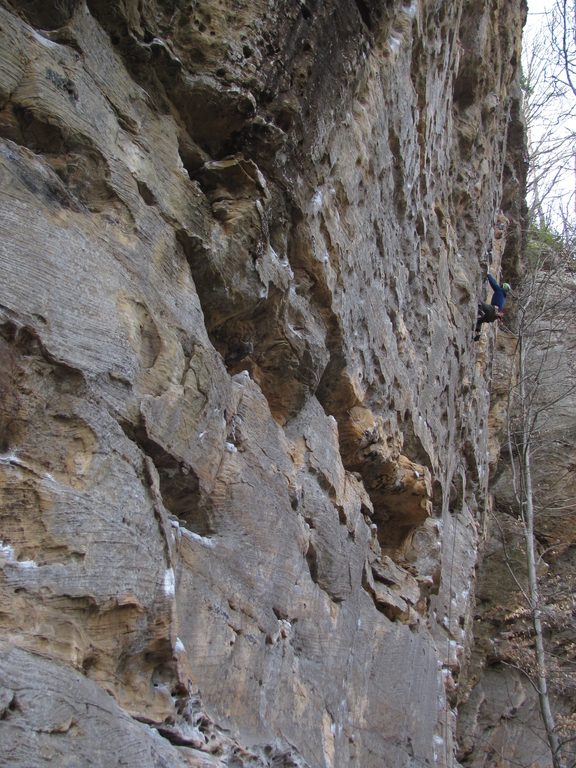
(244, 426)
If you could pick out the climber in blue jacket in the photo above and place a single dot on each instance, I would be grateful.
(500, 292)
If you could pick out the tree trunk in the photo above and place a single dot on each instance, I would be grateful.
(533, 589)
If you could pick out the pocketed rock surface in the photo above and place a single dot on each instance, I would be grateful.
(244, 426)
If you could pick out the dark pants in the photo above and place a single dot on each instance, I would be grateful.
(486, 314)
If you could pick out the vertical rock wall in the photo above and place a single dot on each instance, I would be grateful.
(244, 425)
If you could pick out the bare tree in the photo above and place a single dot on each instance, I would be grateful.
(545, 386)
(549, 80)
(562, 26)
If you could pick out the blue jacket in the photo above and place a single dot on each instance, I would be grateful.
(499, 296)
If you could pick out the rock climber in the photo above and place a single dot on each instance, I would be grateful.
(500, 292)
(487, 313)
